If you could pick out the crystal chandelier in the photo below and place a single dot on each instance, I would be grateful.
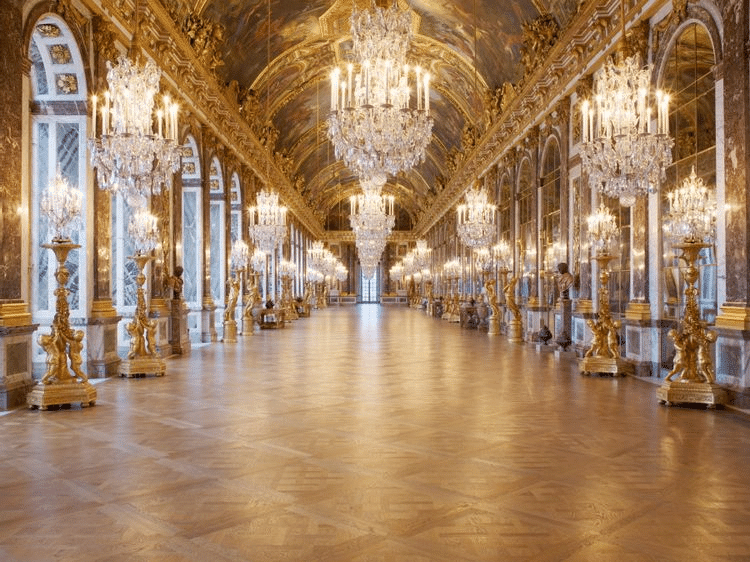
(422, 255)
(142, 228)
(622, 153)
(240, 255)
(603, 230)
(267, 221)
(341, 273)
(397, 272)
(129, 156)
(61, 205)
(316, 255)
(502, 254)
(377, 127)
(476, 219)
(371, 211)
(483, 259)
(692, 211)
(452, 269)
(287, 269)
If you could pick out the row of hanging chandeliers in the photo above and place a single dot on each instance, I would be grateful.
(378, 125)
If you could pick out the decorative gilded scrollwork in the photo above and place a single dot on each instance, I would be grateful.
(539, 36)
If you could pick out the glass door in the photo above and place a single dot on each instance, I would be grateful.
(369, 287)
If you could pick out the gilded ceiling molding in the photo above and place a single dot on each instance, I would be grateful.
(591, 32)
(197, 85)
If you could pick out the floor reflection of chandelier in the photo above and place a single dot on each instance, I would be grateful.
(476, 219)
(622, 153)
(267, 221)
(376, 126)
(129, 156)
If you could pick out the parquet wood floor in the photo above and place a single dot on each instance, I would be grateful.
(374, 434)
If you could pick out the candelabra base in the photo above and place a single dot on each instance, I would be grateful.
(248, 326)
(493, 326)
(691, 392)
(515, 332)
(142, 366)
(230, 331)
(43, 396)
(605, 366)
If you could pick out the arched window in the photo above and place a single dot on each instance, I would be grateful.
(527, 231)
(235, 228)
(688, 76)
(549, 235)
(192, 232)
(218, 236)
(58, 144)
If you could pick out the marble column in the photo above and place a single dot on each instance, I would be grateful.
(208, 312)
(733, 320)
(637, 328)
(101, 329)
(16, 327)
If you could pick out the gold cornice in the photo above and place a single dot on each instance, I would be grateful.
(14, 314)
(733, 318)
(591, 34)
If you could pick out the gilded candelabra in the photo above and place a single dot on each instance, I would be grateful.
(59, 385)
(493, 326)
(691, 221)
(604, 354)
(142, 357)
(692, 378)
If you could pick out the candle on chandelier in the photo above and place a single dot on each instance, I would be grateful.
(335, 89)
(105, 114)
(427, 92)
(585, 117)
(349, 87)
(93, 114)
(419, 87)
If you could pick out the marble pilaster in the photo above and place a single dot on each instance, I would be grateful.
(102, 359)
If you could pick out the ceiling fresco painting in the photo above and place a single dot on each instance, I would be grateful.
(307, 37)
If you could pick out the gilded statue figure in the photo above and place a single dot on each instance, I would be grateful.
(510, 298)
(234, 292)
(565, 280)
(489, 286)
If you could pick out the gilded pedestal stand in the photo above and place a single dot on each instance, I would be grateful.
(230, 324)
(142, 358)
(59, 386)
(692, 379)
(287, 302)
(604, 354)
(493, 322)
(515, 328)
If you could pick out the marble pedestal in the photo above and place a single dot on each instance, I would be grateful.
(493, 326)
(179, 335)
(230, 331)
(16, 379)
(515, 332)
(161, 314)
(102, 359)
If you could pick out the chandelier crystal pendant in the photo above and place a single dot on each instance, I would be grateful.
(376, 125)
(131, 157)
(622, 152)
(476, 219)
(267, 221)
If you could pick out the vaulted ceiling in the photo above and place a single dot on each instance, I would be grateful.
(309, 37)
